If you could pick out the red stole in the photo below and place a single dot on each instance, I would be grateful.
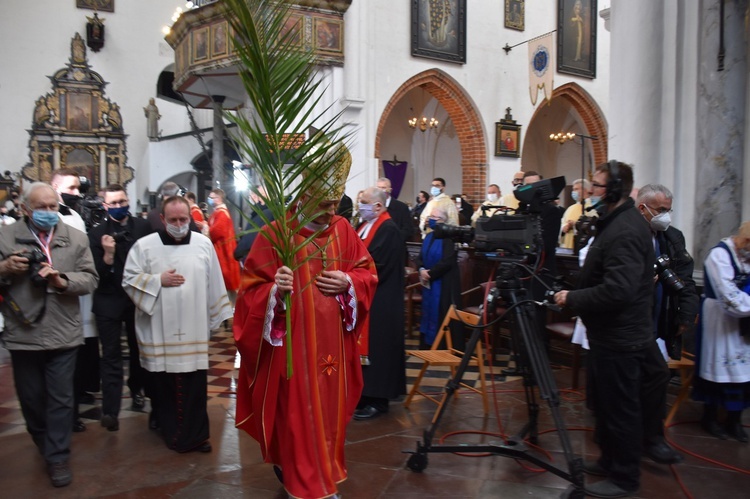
(364, 338)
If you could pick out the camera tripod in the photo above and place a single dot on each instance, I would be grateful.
(534, 367)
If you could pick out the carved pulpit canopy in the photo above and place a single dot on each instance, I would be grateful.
(76, 126)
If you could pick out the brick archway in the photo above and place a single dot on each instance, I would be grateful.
(590, 113)
(466, 119)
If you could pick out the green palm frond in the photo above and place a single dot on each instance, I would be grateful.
(285, 95)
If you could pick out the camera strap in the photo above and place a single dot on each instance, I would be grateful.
(18, 313)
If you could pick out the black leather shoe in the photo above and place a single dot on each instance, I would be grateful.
(204, 447)
(110, 422)
(663, 454)
(594, 468)
(153, 423)
(139, 401)
(367, 412)
(279, 475)
(714, 428)
(606, 488)
(60, 474)
(87, 398)
(737, 432)
(79, 426)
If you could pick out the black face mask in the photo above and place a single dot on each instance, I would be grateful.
(70, 200)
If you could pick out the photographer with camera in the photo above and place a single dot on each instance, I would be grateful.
(614, 299)
(45, 266)
(676, 299)
(110, 242)
(581, 207)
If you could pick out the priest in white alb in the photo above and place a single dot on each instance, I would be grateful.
(174, 278)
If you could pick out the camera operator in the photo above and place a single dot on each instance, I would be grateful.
(614, 299)
(43, 320)
(110, 242)
(676, 299)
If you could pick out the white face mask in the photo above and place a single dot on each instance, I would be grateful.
(366, 212)
(659, 222)
(178, 231)
(492, 198)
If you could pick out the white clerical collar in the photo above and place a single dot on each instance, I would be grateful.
(388, 202)
(366, 227)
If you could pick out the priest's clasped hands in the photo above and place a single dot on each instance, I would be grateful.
(170, 278)
(329, 282)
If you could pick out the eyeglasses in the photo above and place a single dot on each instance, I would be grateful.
(658, 210)
(600, 186)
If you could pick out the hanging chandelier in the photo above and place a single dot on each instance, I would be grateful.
(423, 123)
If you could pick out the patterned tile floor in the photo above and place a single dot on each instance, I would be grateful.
(135, 463)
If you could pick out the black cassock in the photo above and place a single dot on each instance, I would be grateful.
(385, 377)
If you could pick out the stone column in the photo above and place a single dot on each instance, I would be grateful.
(103, 180)
(721, 109)
(217, 160)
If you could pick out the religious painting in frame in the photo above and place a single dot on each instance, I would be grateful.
(328, 35)
(438, 30)
(100, 5)
(78, 112)
(507, 140)
(515, 14)
(200, 44)
(576, 37)
(219, 39)
(294, 24)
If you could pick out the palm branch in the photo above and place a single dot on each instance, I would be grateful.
(284, 90)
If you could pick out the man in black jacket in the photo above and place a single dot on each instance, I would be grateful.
(398, 210)
(110, 243)
(614, 300)
(676, 301)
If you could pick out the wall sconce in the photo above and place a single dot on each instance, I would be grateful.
(95, 32)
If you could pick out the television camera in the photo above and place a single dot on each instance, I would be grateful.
(90, 206)
(512, 239)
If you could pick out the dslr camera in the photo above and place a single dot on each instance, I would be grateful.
(122, 237)
(35, 258)
(666, 275)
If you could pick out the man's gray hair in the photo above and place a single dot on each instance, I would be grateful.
(649, 192)
(169, 189)
(586, 183)
(34, 186)
(376, 195)
(385, 179)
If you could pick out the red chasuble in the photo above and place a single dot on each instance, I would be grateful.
(221, 231)
(300, 422)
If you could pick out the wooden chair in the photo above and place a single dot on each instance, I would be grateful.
(686, 368)
(412, 300)
(449, 357)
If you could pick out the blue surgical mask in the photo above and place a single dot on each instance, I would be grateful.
(435, 191)
(576, 196)
(44, 220)
(595, 200)
(119, 213)
(211, 201)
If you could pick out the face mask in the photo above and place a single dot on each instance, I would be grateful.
(517, 184)
(492, 198)
(44, 220)
(435, 191)
(178, 231)
(576, 197)
(366, 212)
(595, 200)
(119, 213)
(211, 201)
(70, 200)
(661, 221)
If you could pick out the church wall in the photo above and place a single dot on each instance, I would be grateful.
(35, 37)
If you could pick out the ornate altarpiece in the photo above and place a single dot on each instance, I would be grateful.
(76, 127)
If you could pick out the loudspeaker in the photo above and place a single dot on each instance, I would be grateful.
(614, 183)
